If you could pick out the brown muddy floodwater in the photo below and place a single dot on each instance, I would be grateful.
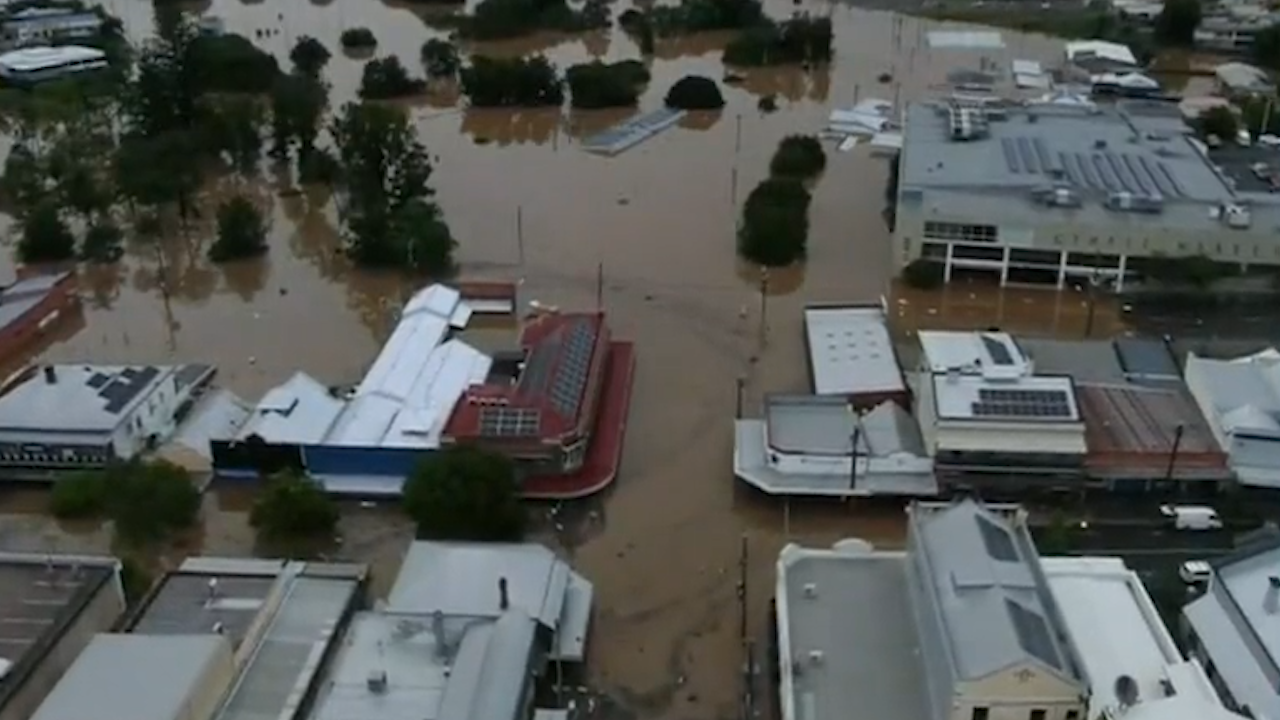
(663, 545)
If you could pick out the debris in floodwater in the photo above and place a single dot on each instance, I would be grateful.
(885, 78)
(624, 201)
(482, 140)
(733, 79)
(768, 103)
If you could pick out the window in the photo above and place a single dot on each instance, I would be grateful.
(1073, 715)
(980, 713)
(1037, 714)
(960, 231)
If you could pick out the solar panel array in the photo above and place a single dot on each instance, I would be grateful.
(1121, 172)
(1033, 633)
(1029, 155)
(999, 353)
(575, 364)
(997, 540)
(993, 402)
(509, 422)
(124, 387)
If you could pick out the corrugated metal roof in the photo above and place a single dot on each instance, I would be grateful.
(988, 590)
(300, 411)
(1146, 358)
(139, 677)
(850, 351)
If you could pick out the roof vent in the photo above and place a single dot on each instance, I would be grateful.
(50, 375)
(504, 600)
(377, 682)
(816, 657)
(1100, 144)
(1271, 601)
(811, 590)
(1237, 217)
(1129, 202)
(1126, 691)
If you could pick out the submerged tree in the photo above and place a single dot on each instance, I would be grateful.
(45, 236)
(309, 57)
(385, 171)
(798, 156)
(775, 223)
(242, 231)
(292, 506)
(465, 493)
(695, 92)
(441, 59)
(297, 104)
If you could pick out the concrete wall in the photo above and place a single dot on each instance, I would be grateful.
(1015, 693)
(98, 616)
(1041, 438)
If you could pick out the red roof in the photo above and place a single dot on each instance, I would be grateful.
(556, 390)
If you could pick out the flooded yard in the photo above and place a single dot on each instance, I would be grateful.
(663, 545)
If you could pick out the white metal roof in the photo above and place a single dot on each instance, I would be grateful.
(850, 350)
(462, 579)
(1117, 631)
(992, 354)
(1114, 52)
(955, 396)
(39, 58)
(140, 677)
(300, 411)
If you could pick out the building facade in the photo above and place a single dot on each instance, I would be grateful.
(1062, 195)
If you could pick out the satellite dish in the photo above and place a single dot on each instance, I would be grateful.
(1126, 690)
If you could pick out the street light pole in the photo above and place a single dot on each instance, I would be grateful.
(1173, 451)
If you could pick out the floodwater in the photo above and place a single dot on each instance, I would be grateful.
(527, 203)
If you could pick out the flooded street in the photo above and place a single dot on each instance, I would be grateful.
(663, 545)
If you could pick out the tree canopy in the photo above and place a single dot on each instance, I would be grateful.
(384, 169)
(693, 16)
(695, 92)
(386, 78)
(440, 59)
(1266, 47)
(506, 19)
(1177, 22)
(292, 506)
(46, 236)
(775, 223)
(309, 57)
(1220, 122)
(465, 493)
(798, 156)
(601, 85)
(242, 231)
(513, 82)
(359, 38)
(147, 501)
(802, 39)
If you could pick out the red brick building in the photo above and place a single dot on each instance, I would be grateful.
(541, 410)
(30, 306)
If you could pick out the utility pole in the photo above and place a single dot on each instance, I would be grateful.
(600, 287)
(741, 384)
(853, 455)
(1173, 451)
(1095, 279)
(520, 232)
(742, 590)
(764, 305)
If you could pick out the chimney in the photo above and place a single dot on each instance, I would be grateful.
(504, 602)
(50, 375)
(1271, 602)
(437, 631)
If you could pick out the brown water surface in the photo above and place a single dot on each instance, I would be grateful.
(662, 546)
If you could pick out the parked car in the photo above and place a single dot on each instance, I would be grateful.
(1192, 517)
(1195, 572)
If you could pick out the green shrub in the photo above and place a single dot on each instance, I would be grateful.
(695, 92)
(602, 85)
(293, 506)
(798, 156)
(513, 82)
(775, 223)
(79, 495)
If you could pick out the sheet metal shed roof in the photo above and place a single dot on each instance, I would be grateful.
(850, 351)
(985, 577)
(1146, 358)
(139, 677)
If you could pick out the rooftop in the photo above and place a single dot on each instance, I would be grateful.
(1243, 394)
(86, 398)
(1060, 164)
(1082, 360)
(848, 648)
(990, 354)
(37, 58)
(1242, 77)
(409, 667)
(462, 579)
(564, 357)
(39, 597)
(138, 677)
(850, 351)
(1131, 429)
(196, 599)
(1238, 623)
(989, 590)
(818, 425)
(1117, 632)
(21, 297)
(1038, 399)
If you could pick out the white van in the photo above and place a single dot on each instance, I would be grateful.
(1192, 517)
(1195, 572)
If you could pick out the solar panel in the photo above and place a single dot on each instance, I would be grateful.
(509, 422)
(1022, 395)
(575, 365)
(999, 353)
(1001, 402)
(997, 540)
(97, 380)
(121, 391)
(1033, 633)
(1010, 155)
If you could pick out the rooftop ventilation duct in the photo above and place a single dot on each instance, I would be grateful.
(1236, 217)
(1064, 197)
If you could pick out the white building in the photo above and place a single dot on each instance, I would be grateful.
(144, 677)
(1234, 628)
(1061, 196)
(1237, 79)
(851, 354)
(32, 65)
(70, 416)
(1132, 665)
(1240, 399)
(804, 446)
(981, 407)
(962, 626)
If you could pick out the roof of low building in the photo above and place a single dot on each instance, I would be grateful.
(991, 353)
(989, 590)
(1243, 394)
(463, 579)
(848, 648)
(140, 677)
(21, 297)
(40, 596)
(85, 398)
(823, 425)
(1133, 429)
(850, 351)
(1114, 52)
(1035, 399)
(1242, 76)
(1083, 360)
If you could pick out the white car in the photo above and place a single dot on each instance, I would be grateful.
(1195, 572)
